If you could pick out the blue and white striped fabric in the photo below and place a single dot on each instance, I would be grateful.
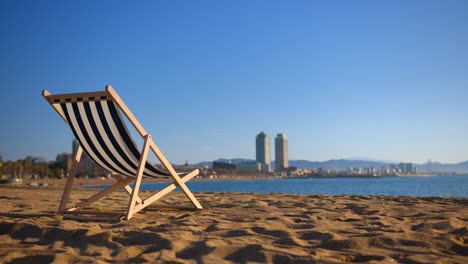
(101, 132)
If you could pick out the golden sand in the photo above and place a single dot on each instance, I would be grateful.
(238, 228)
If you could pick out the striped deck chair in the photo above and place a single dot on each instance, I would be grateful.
(97, 125)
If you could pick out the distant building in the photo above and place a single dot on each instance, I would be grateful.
(262, 144)
(401, 167)
(224, 165)
(75, 146)
(86, 167)
(409, 168)
(406, 168)
(281, 152)
(429, 166)
(249, 166)
(64, 160)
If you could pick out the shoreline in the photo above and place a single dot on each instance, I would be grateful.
(286, 186)
(98, 181)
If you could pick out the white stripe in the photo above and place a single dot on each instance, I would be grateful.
(94, 140)
(121, 141)
(81, 138)
(106, 139)
(117, 135)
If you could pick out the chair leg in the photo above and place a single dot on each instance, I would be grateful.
(102, 193)
(174, 175)
(127, 188)
(71, 177)
(188, 193)
(139, 176)
(166, 190)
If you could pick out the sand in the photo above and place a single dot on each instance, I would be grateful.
(237, 228)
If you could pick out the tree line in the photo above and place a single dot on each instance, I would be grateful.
(31, 167)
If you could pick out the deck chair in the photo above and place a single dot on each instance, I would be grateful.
(97, 125)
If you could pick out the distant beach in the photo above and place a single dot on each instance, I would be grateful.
(238, 228)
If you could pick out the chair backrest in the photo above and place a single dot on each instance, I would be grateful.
(98, 126)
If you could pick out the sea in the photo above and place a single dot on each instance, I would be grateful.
(440, 186)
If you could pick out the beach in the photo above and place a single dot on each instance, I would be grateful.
(235, 228)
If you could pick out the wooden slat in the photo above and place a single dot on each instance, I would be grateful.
(71, 177)
(99, 213)
(127, 188)
(174, 175)
(56, 107)
(61, 97)
(104, 192)
(139, 176)
(92, 218)
(165, 191)
(190, 195)
(126, 111)
(156, 207)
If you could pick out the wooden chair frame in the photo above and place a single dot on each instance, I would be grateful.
(135, 203)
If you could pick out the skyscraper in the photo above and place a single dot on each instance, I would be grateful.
(281, 152)
(263, 150)
(75, 146)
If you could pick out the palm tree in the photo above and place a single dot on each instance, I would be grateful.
(1, 164)
(6, 168)
(27, 166)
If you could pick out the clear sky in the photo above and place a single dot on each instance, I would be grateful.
(379, 79)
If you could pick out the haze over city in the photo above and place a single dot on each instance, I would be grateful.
(384, 80)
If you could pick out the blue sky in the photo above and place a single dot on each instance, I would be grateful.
(379, 79)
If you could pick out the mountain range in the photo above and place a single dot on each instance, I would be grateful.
(344, 164)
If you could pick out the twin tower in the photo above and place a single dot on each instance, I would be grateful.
(263, 151)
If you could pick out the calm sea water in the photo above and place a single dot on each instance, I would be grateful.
(456, 186)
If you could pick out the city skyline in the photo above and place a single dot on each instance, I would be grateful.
(384, 80)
